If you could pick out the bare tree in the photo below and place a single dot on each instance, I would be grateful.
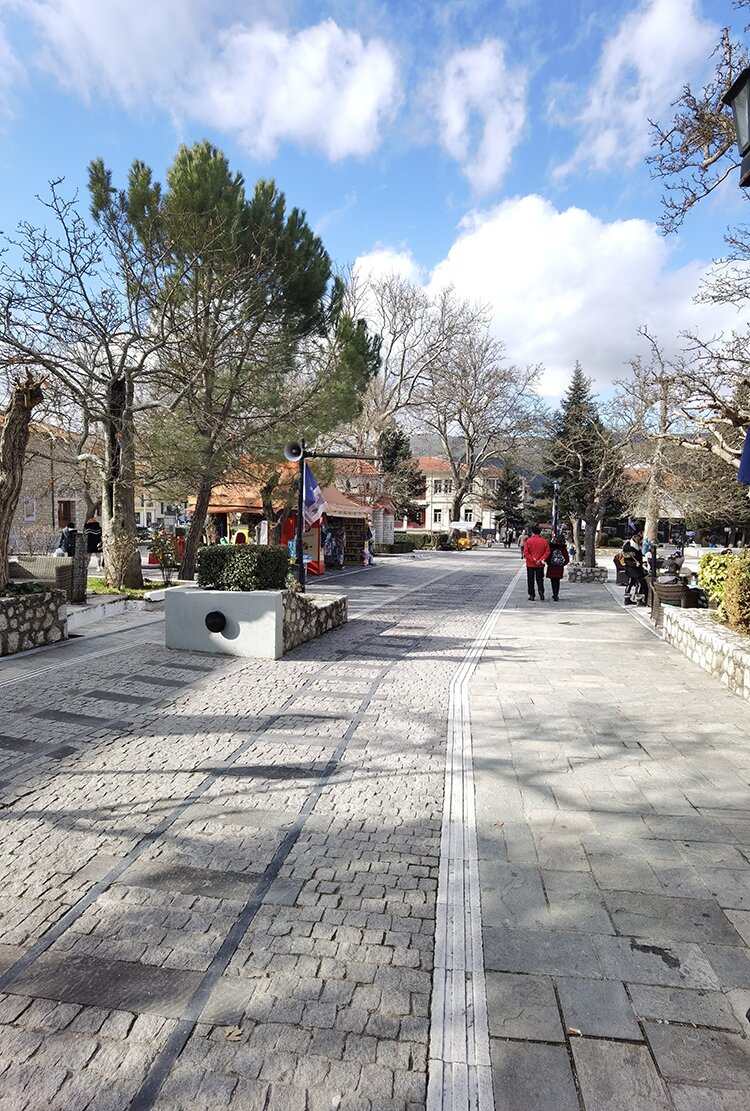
(417, 333)
(476, 398)
(77, 304)
(25, 394)
(695, 151)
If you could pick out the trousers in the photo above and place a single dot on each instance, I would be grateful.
(535, 576)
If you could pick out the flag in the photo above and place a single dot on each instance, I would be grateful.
(743, 474)
(315, 503)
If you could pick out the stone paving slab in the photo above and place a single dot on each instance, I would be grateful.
(614, 861)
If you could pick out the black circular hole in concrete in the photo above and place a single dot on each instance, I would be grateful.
(216, 622)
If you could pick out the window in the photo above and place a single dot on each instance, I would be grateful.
(149, 519)
(29, 509)
(492, 485)
(66, 511)
(448, 486)
(137, 518)
(437, 516)
(143, 501)
(437, 486)
(468, 514)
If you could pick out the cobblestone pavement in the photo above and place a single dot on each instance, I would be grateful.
(219, 876)
(614, 837)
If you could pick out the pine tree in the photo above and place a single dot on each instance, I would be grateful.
(583, 458)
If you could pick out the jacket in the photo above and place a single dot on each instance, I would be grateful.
(555, 570)
(535, 551)
(633, 556)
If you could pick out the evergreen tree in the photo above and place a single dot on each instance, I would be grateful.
(584, 459)
(405, 482)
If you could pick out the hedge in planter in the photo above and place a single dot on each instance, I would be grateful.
(737, 594)
(244, 567)
(712, 574)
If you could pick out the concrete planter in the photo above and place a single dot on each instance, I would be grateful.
(718, 650)
(262, 623)
(31, 621)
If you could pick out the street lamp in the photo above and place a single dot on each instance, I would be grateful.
(737, 97)
(555, 496)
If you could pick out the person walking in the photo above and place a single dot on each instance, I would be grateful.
(534, 553)
(634, 559)
(65, 544)
(557, 561)
(92, 530)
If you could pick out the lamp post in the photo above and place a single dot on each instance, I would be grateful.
(737, 97)
(555, 496)
(296, 452)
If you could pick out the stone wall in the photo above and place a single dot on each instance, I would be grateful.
(577, 573)
(32, 620)
(307, 616)
(716, 649)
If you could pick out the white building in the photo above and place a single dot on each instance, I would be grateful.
(436, 507)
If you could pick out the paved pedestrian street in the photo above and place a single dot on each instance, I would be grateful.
(466, 851)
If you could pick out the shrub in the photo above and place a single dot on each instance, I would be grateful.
(736, 602)
(402, 546)
(613, 542)
(248, 567)
(712, 574)
(164, 548)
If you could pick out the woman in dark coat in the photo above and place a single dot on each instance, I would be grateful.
(92, 530)
(557, 561)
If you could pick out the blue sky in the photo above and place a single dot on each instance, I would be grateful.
(495, 145)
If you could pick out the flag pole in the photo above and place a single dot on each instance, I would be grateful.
(300, 523)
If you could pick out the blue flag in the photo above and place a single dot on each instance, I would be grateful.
(315, 503)
(743, 473)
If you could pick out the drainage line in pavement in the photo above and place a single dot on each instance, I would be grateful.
(162, 1066)
(459, 1070)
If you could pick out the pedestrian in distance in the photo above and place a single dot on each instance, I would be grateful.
(65, 544)
(633, 559)
(92, 530)
(557, 561)
(534, 553)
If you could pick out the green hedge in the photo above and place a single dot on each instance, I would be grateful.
(712, 574)
(243, 567)
(736, 601)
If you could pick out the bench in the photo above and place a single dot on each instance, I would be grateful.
(54, 571)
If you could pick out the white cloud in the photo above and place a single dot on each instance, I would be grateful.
(642, 68)
(563, 286)
(481, 112)
(382, 261)
(322, 87)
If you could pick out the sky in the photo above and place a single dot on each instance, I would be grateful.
(495, 145)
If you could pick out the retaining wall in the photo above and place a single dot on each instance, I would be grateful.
(31, 621)
(718, 650)
(577, 573)
(307, 616)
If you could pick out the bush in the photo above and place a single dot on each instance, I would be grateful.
(736, 602)
(164, 549)
(712, 573)
(247, 567)
(402, 546)
(613, 542)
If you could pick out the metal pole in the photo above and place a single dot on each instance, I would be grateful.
(556, 491)
(300, 514)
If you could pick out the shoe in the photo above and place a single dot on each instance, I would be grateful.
(554, 599)
(532, 598)
(541, 597)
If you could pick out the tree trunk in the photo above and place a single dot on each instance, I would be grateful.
(195, 533)
(591, 519)
(13, 440)
(122, 561)
(575, 524)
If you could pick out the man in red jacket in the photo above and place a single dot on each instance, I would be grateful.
(535, 551)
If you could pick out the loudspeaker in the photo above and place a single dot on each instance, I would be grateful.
(293, 451)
